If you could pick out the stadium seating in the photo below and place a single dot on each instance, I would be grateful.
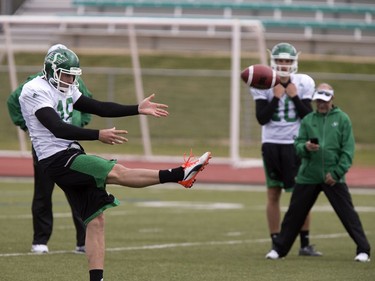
(285, 6)
(238, 9)
(316, 26)
(307, 18)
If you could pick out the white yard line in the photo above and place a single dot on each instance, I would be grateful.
(177, 245)
(200, 186)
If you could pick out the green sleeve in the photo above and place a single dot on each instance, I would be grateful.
(80, 118)
(14, 107)
(347, 149)
(300, 141)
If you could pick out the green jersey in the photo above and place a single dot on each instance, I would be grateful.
(336, 141)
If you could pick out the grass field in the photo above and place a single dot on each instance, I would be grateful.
(164, 233)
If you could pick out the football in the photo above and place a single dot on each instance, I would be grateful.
(260, 76)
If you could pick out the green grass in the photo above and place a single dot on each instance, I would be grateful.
(195, 243)
(199, 100)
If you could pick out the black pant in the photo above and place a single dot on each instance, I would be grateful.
(302, 200)
(42, 208)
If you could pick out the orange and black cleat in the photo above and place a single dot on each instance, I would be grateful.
(192, 167)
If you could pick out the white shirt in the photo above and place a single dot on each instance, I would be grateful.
(284, 125)
(36, 94)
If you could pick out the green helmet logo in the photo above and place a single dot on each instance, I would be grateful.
(284, 59)
(58, 62)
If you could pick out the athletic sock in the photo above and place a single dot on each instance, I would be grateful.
(171, 175)
(96, 275)
(304, 236)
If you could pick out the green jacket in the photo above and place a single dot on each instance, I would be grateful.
(79, 118)
(336, 140)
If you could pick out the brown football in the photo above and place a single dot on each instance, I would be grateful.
(260, 76)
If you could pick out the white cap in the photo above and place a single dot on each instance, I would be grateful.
(56, 47)
(323, 94)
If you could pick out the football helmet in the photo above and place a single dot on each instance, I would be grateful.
(56, 47)
(284, 51)
(58, 62)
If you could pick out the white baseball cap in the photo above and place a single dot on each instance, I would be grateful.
(323, 94)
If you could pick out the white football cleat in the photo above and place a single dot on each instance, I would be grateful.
(192, 167)
(362, 257)
(272, 255)
(39, 249)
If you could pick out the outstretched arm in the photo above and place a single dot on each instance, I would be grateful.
(104, 109)
(51, 120)
(112, 109)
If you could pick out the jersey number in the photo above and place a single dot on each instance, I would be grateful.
(66, 112)
(284, 112)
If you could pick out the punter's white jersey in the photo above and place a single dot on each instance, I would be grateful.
(36, 94)
(284, 124)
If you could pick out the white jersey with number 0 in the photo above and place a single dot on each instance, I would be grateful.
(36, 94)
(284, 124)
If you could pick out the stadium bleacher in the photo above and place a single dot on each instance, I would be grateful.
(228, 5)
(318, 26)
(315, 21)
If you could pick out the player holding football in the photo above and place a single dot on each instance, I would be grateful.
(47, 104)
(279, 110)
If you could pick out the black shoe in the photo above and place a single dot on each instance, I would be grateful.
(309, 251)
